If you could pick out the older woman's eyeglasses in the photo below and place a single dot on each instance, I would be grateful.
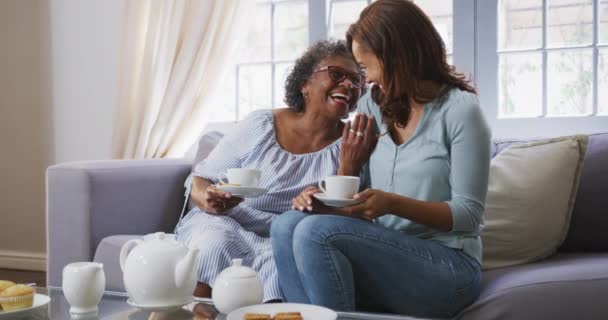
(337, 75)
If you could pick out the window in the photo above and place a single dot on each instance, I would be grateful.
(276, 38)
(555, 43)
(539, 65)
(441, 13)
(343, 14)
(542, 65)
(283, 29)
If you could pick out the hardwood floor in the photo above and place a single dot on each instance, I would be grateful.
(23, 276)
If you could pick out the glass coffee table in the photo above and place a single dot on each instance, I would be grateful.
(113, 306)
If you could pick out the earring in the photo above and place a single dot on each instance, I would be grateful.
(305, 94)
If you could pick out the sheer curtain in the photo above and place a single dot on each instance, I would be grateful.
(174, 53)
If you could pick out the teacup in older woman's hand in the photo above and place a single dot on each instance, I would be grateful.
(245, 177)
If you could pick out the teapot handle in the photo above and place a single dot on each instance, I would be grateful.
(124, 251)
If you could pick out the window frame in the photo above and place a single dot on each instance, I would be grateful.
(319, 12)
(272, 62)
(475, 53)
(487, 81)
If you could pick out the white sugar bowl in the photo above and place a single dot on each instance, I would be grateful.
(235, 287)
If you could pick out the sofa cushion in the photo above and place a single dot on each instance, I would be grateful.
(587, 230)
(108, 253)
(590, 215)
(530, 199)
(566, 286)
(206, 144)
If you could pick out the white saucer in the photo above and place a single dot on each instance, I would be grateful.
(159, 307)
(335, 202)
(40, 300)
(245, 192)
(308, 311)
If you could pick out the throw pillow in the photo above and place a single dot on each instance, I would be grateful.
(531, 192)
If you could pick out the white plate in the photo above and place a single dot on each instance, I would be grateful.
(245, 192)
(160, 307)
(335, 202)
(308, 311)
(40, 300)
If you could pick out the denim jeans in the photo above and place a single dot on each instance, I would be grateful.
(349, 264)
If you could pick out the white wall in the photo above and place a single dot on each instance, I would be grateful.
(85, 38)
(58, 67)
(24, 132)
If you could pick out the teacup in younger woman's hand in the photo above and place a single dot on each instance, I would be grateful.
(243, 177)
(340, 187)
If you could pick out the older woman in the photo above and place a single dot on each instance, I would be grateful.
(294, 147)
(428, 178)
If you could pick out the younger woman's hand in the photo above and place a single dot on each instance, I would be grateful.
(306, 202)
(358, 141)
(374, 203)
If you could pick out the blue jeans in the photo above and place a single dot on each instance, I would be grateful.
(349, 264)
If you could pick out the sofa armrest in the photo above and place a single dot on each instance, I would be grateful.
(87, 201)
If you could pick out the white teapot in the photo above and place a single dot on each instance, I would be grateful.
(235, 287)
(158, 271)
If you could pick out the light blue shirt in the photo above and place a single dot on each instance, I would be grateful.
(447, 159)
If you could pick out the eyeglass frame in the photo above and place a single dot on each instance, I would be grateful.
(348, 75)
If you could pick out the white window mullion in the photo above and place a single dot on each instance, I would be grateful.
(596, 68)
(317, 20)
(486, 64)
(545, 66)
(464, 36)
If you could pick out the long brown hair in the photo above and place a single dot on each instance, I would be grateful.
(410, 50)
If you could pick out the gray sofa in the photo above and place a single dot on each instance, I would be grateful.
(95, 207)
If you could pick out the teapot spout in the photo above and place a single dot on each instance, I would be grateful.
(186, 267)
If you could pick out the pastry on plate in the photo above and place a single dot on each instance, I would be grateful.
(5, 284)
(288, 316)
(257, 316)
(18, 296)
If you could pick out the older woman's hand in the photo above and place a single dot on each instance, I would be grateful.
(358, 141)
(211, 199)
(217, 201)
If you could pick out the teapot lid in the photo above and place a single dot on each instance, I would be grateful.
(159, 237)
(238, 270)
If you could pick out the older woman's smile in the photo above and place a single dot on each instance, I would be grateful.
(340, 99)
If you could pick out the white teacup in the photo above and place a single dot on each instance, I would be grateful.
(243, 177)
(83, 286)
(340, 187)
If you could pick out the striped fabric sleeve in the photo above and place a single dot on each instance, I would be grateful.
(235, 146)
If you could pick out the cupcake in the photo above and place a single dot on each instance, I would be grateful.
(5, 284)
(18, 296)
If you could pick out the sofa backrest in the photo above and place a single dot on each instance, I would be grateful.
(207, 140)
(589, 221)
